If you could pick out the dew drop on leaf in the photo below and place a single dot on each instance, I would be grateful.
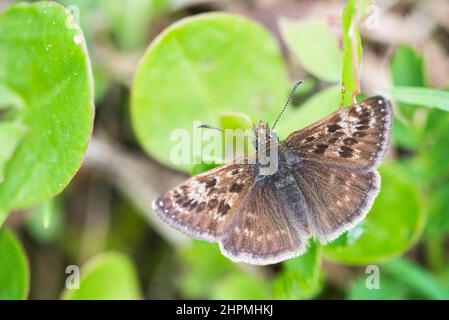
(78, 39)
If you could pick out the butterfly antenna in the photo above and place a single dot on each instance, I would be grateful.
(225, 131)
(206, 126)
(290, 97)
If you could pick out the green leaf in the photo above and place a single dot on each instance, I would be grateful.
(239, 286)
(43, 60)
(437, 120)
(433, 152)
(407, 69)
(200, 68)
(417, 278)
(313, 109)
(11, 134)
(108, 276)
(301, 277)
(14, 270)
(353, 12)
(9, 99)
(87, 13)
(235, 120)
(417, 96)
(315, 46)
(390, 228)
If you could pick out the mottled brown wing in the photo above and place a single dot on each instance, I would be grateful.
(355, 137)
(337, 198)
(270, 225)
(203, 206)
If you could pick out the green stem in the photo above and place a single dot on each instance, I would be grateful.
(3, 216)
(435, 253)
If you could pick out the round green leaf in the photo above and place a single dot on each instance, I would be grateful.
(108, 276)
(43, 61)
(201, 68)
(315, 46)
(14, 271)
(391, 227)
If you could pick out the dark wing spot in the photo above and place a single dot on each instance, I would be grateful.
(362, 127)
(181, 199)
(212, 204)
(320, 148)
(210, 183)
(310, 139)
(340, 180)
(193, 205)
(346, 152)
(333, 127)
(363, 122)
(201, 207)
(223, 208)
(352, 111)
(339, 134)
(236, 187)
(349, 141)
(234, 172)
(186, 203)
(365, 114)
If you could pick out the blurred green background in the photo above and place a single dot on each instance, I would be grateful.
(75, 192)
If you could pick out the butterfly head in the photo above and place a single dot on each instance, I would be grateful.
(263, 134)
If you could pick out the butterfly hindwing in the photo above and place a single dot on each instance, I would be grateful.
(355, 137)
(203, 206)
(336, 197)
(270, 225)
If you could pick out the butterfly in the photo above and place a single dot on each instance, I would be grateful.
(325, 183)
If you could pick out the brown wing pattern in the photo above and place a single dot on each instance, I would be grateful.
(270, 225)
(355, 137)
(203, 206)
(337, 198)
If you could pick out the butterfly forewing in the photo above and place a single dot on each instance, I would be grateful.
(355, 137)
(203, 205)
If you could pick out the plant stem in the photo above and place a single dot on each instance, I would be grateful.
(435, 253)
